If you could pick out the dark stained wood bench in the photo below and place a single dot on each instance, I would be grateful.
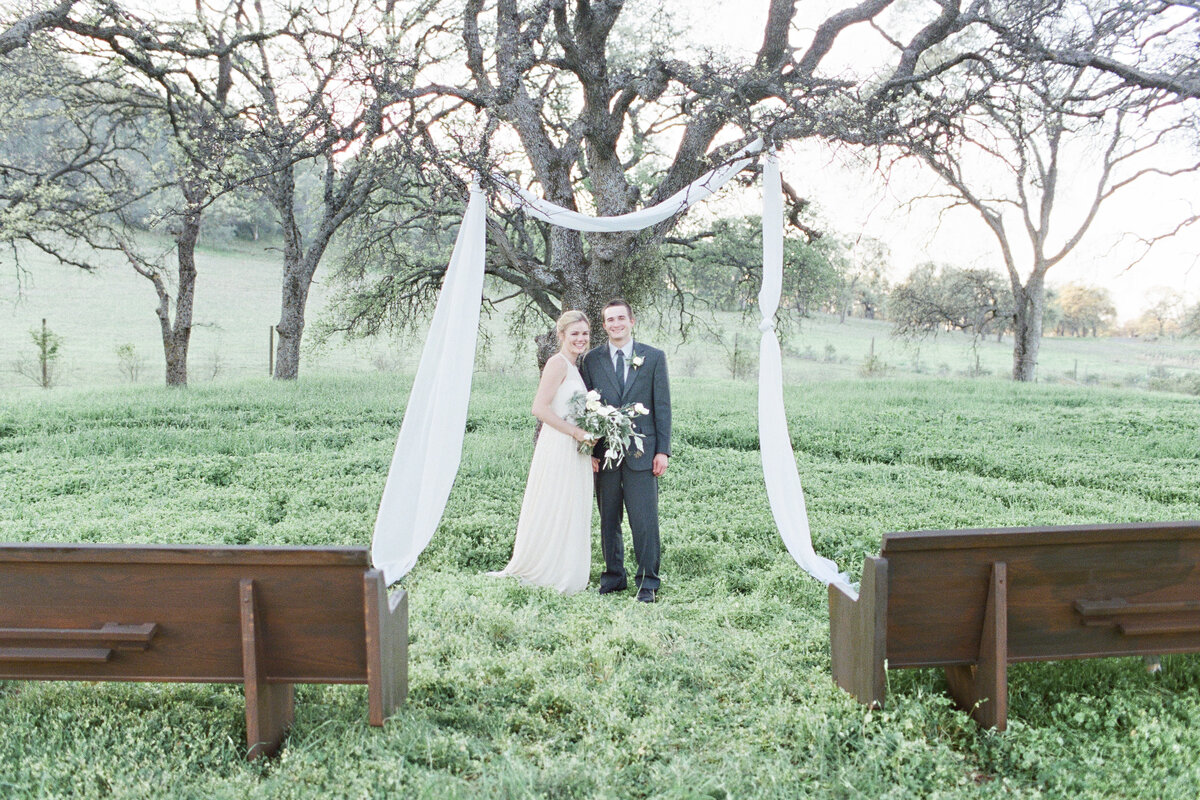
(266, 617)
(973, 601)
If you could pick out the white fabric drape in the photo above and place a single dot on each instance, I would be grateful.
(784, 491)
(429, 448)
(699, 190)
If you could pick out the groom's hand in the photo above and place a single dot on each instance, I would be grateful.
(660, 465)
(595, 464)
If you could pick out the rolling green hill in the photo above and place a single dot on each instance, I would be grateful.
(237, 300)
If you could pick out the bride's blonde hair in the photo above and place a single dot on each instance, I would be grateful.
(568, 319)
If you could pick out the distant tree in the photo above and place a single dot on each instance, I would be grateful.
(935, 298)
(1032, 134)
(1084, 310)
(1052, 316)
(42, 368)
(1190, 323)
(129, 362)
(184, 66)
(1165, 310)
(325, 103)
(863, 281)
(73, 155)
(144, 84)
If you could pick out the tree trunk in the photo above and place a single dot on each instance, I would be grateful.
(296, 282)
(175, 347)
(1030, 301)
(176, 337)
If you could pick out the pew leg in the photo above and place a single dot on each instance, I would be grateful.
(982, 688)
(858, 635)
(269, 706)
(387, 647)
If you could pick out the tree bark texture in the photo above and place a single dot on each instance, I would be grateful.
(1030, 304)
(344, 195)
(176, 347)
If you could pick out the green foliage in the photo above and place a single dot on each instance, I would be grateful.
(723, 267)
(73, 152)
(1081, 310)
(1164, 380)
(936, 298)
(740, 359)
(873, 366)
(721, 689)
(1190, 325)
(42, 366)
(130, 363)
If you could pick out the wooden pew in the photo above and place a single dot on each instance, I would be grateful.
(973, 601)
(266, 617)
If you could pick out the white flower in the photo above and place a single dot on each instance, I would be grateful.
(593, 395)
(641, 409)
(607, 410)
(636, 362)
(593, 405)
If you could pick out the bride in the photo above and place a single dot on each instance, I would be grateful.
(553, 544)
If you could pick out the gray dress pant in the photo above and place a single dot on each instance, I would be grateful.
(633, 491)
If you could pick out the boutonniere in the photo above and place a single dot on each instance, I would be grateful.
(636, 361)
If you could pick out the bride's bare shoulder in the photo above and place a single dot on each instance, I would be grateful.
(557, 364)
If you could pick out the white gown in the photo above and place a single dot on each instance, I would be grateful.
(553, 544)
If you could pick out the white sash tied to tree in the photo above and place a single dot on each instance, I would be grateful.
(429, 447)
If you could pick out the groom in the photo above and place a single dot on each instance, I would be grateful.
(624, 372)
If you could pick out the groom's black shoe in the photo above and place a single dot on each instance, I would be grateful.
(611, 589)
(645, 595)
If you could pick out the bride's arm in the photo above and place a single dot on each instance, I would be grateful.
(552, 377)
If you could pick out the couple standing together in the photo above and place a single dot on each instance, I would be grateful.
(553, 542)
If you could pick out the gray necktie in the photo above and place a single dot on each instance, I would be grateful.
(621, 369)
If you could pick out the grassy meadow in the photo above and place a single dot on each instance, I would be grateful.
(720, 690)
(237, 301)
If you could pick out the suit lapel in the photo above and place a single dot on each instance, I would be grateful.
(633, 373)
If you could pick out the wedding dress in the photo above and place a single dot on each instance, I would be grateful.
(553, 544)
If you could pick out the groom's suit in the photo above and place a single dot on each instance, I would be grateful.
(632, 486)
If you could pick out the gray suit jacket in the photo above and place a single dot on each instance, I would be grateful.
(648, 385)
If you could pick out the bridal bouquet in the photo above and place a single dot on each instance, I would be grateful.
(609, 423)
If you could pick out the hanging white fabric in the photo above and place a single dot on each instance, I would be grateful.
(429, 448)
(697, 191)
(784, 492)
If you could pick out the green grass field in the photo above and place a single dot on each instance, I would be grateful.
(722, 689)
